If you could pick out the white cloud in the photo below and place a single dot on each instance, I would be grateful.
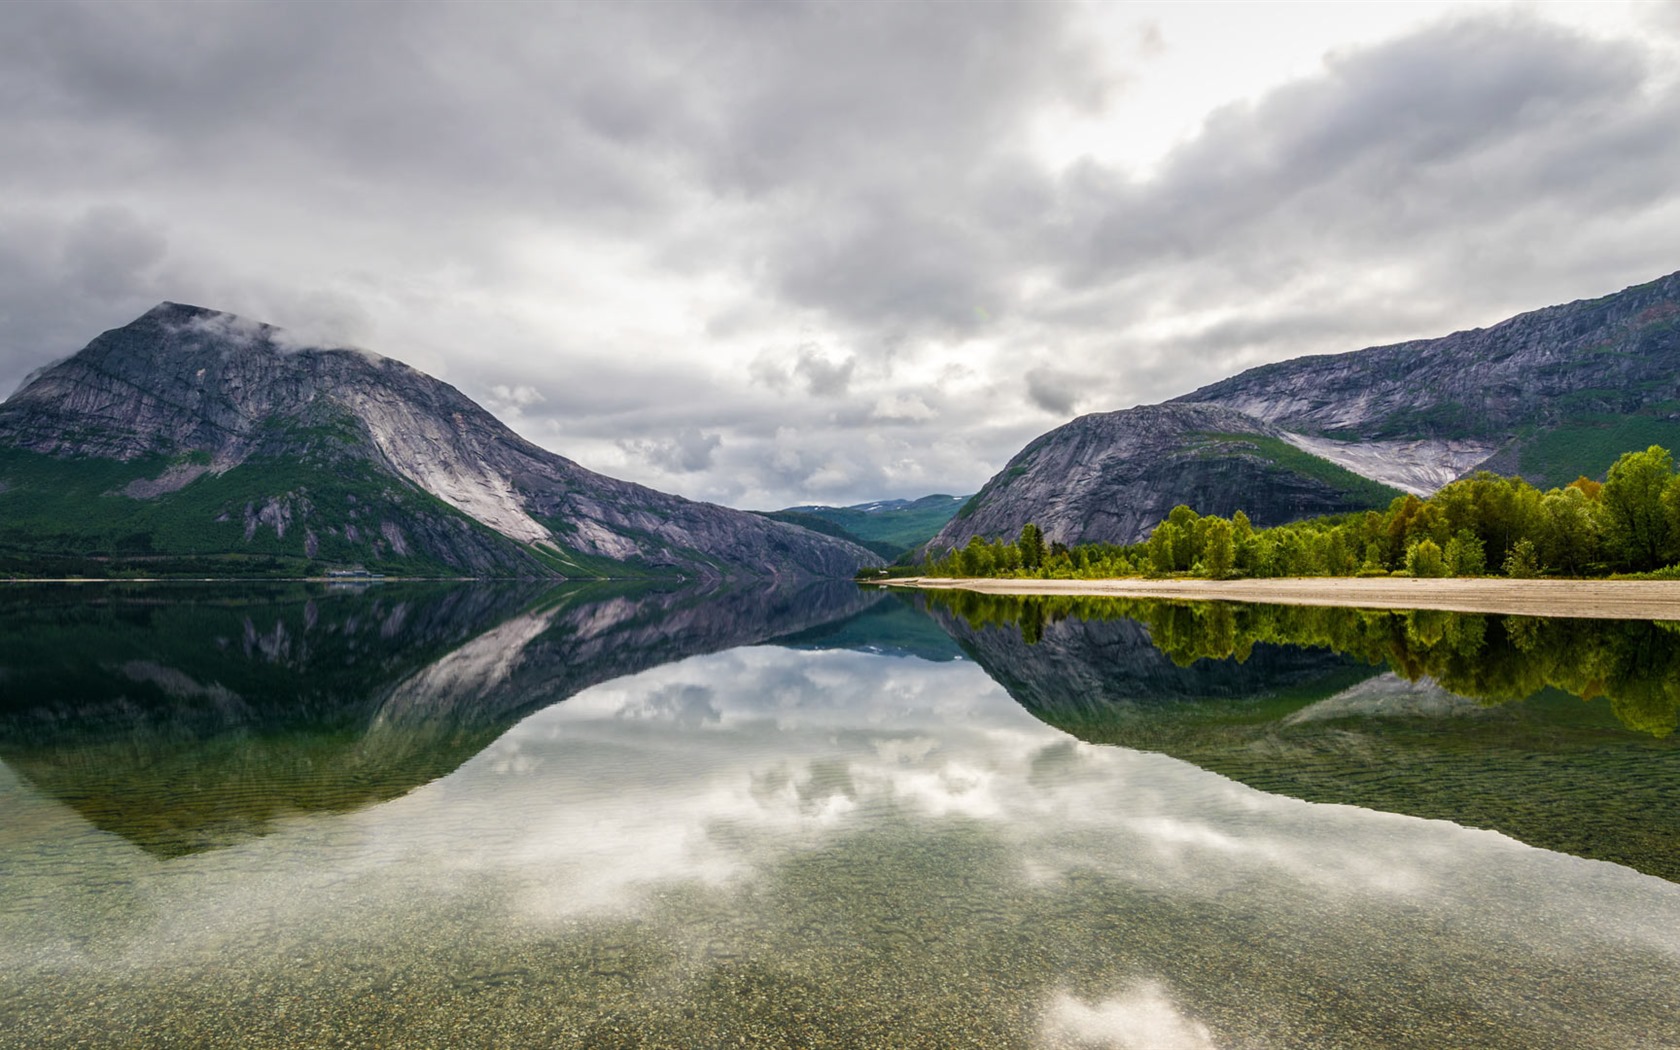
(907, 407)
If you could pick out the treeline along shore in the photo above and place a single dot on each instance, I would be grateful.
(1485, 543)
(1583, 598)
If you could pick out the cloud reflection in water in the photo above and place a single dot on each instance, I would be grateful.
(767, 842)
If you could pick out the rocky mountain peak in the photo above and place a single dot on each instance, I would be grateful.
(198, 393)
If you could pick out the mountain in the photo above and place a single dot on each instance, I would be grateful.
(887, 527)
(193, 440)
(1111, 476)
(1551, 395)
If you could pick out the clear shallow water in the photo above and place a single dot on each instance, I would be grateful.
(594, 822)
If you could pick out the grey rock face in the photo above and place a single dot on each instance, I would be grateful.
(1110, 477)
(182, 380)
(1618, 354)
(1419, 466)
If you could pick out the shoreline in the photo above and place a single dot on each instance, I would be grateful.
(1586, 599)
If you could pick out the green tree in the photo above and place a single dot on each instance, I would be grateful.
(1465, 554)
(1242, 530)
(1219, 552)
(1183, 520)
(1006, 557)
(1523, 562)
(1424, 558)
(1162, 543)
(1570, 534)
(1031, 546)
(1636, 521)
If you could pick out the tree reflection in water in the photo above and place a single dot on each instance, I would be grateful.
(1477, 719)
(1490, 658)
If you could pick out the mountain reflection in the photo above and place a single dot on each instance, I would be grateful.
(1478, 719)
(187, 718)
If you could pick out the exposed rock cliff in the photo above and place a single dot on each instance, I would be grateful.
(342, 456)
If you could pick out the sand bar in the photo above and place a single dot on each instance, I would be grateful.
(1595, 599)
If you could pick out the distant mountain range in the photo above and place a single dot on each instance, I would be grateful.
(1551, 394)
(196, 441)
(888, 527)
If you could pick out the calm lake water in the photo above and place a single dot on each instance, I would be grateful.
(507, 816)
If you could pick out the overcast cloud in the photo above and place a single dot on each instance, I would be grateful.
(769, 254)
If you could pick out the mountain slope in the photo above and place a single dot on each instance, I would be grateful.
(196, 434)
(1551, 395)
(1109, 477)
(1529, 394)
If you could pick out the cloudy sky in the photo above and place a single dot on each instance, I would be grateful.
(778, 253)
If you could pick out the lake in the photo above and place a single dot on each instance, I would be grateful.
(509, 815)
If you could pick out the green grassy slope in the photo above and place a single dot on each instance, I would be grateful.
(1356, 487)
(1584, 446)
(826, 527)
(71, 517)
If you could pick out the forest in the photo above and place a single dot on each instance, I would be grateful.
(1485, 525)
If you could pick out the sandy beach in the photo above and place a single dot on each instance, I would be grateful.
(1597, 599)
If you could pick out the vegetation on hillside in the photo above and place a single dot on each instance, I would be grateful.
(889, 551)
(72, 518)
(1479, 526)
(890, 530)
(1591, 439)
(1357, 488)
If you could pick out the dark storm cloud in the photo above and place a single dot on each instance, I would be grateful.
(881, 148)
(63, 281)
(1054, 392)
(433, 130)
